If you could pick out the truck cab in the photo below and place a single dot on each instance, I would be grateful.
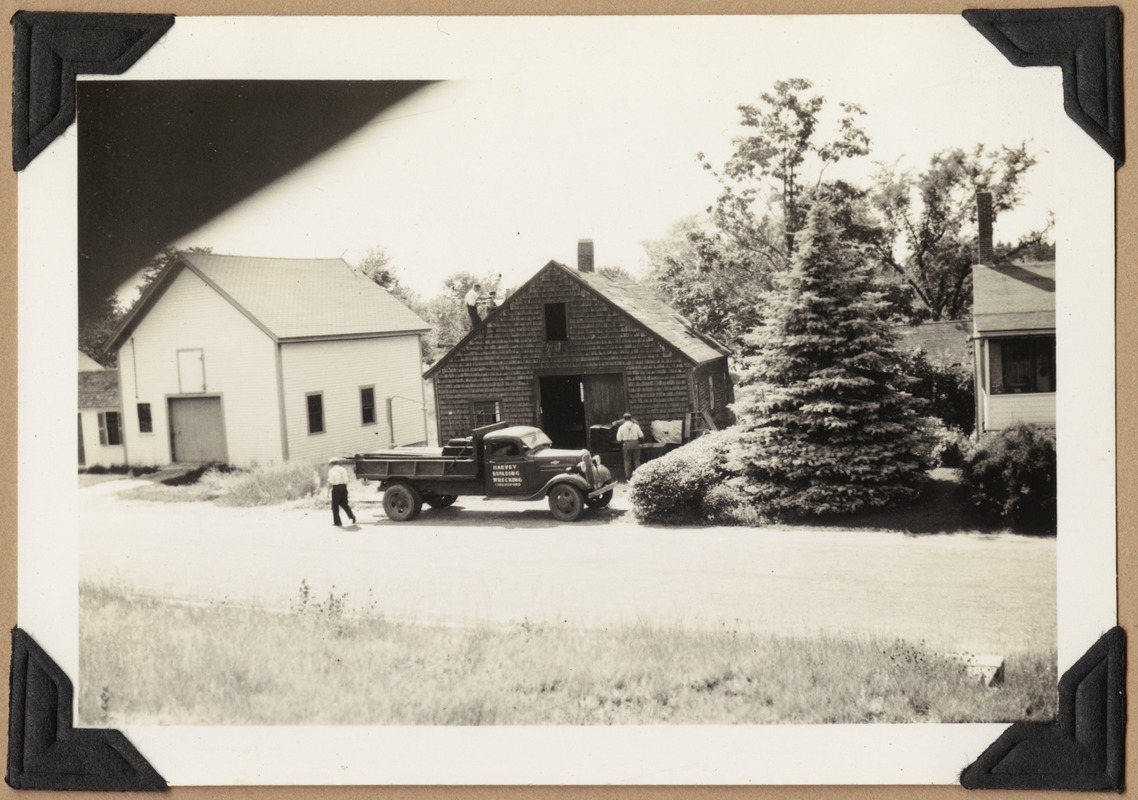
(522, 460)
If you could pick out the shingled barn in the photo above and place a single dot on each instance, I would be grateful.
(571, 350)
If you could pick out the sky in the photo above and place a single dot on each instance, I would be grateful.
(551, 130)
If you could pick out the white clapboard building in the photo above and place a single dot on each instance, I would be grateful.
(243, 361)
(100, 415)
(1013, 336)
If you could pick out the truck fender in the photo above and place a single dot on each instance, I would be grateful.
(567, 477)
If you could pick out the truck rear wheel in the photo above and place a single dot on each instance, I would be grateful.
(402, 502)
(566, 502)
(440, 500)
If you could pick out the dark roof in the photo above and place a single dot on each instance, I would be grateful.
(99, 388)
(290, 298)
(635, 302)
(654, 314)
(1015, 297)
(945, 340)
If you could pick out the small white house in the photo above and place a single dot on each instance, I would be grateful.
(100, 416)
(245, 361)
(1013, 337)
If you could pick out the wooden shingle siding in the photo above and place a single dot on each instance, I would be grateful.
(239, 366)
(714, 391)
(338, 369)
(503, 359)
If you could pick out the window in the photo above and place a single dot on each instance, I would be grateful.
(316, 413)
(367, 405)
(144, 423)
(1022, 366)
(505, 449)
(110, 429)
(485, 412)
(556, 323)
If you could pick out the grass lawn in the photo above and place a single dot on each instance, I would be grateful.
(147, 661)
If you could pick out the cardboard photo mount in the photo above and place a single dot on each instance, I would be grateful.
(1082, 750)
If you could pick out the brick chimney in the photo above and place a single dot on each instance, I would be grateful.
(585, 255)
(984, 223)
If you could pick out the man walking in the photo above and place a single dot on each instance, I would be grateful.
(338, 481)
(629, 436)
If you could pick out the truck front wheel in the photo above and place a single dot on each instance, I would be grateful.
(600, 501)
(402, 502)
(566, 502)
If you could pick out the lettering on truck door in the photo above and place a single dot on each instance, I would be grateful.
(508, 471)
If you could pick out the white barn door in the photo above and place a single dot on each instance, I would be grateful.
(197, 431)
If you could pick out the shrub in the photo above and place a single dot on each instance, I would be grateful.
(1010, 475)
(673, 488)
(946, 386)
(951, 446)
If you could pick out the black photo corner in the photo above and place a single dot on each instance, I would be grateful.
(1082, 750)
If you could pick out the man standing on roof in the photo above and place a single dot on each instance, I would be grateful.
(629, 436)
(472, 298)
(490, 304)
(338, 483)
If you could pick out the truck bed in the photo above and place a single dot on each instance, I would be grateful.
(415, 462)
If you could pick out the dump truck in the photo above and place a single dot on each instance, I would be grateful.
(500, 461)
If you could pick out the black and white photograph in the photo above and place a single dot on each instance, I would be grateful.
(627, 393)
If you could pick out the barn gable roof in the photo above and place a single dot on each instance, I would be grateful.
(99, 388)
(656, 315)
(1017, 297)
(634, 302)
(288, 298)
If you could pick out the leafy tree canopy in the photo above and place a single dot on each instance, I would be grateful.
(376, 264)
(766, 184)
(930, 217)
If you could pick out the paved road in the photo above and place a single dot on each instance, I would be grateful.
(505, 562)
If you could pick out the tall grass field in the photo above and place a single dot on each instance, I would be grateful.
(257, 486)
(148, 661)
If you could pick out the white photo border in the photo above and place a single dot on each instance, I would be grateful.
(298, 48)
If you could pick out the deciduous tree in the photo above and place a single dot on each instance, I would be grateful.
(768, 180)
(931, 220)
(376, 264)
(704, 277)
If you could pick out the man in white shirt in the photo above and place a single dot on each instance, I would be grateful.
(472, 298)
(629, 436)
(338, 481)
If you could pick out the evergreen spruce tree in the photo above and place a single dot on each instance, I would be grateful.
(824, 423)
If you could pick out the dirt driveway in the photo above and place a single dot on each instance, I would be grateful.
(502, 562)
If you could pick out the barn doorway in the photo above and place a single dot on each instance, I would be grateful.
(563, 410)
(197, 432)
(604, 398)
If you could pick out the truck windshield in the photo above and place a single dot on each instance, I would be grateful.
(535, 439)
